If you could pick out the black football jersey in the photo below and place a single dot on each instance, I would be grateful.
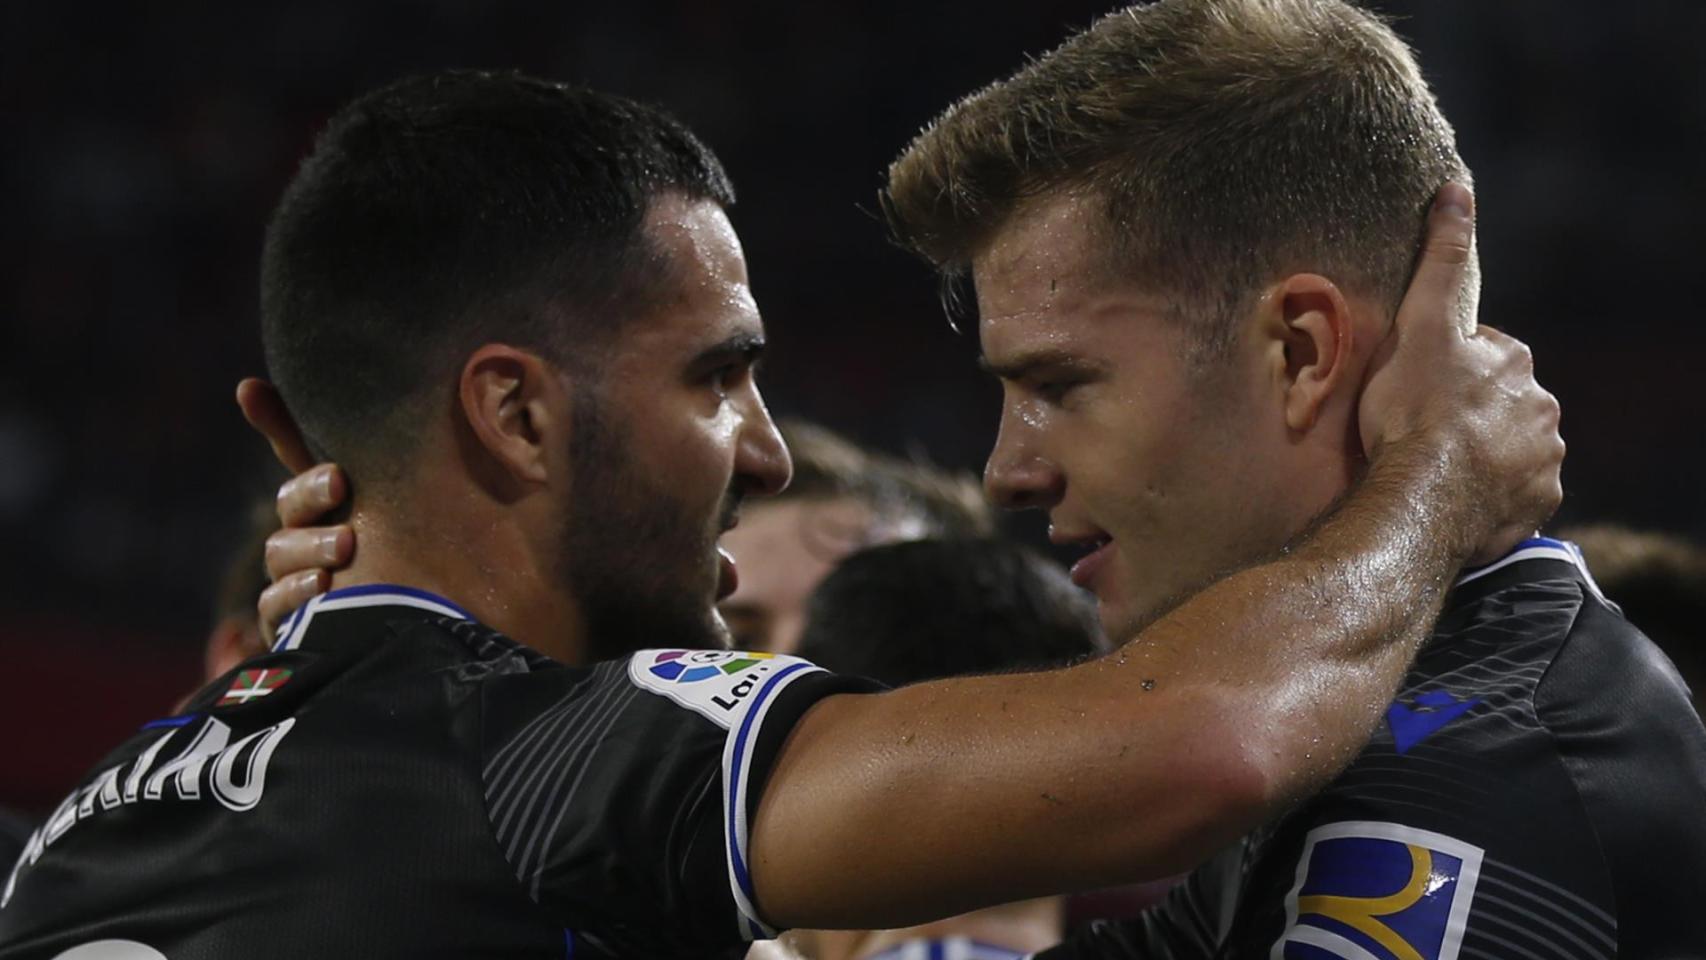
(1537, 792)
(396, 780)
(13, 834)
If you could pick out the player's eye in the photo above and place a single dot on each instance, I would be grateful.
(1056, 390)
(729, 377)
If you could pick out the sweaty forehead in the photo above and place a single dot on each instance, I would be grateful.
(1046, 244)
(698, 239)
(1046, 258)
(705, 295)
(1046, 274)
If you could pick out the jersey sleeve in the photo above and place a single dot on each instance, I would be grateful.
(622, 796)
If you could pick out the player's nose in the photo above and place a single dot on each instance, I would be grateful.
(761, 458)
(1018, 476)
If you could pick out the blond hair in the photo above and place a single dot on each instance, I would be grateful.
(915, 493)
(1226, 141)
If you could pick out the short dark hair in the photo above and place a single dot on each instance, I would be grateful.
(928, 609)
(936, 501)
(444, 211)
(1223, 140)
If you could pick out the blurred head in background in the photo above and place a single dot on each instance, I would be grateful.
(236, 633)
(1659, 580)
(905, 613)
(911, 612)
(517, 315)
(843, 498)
(1189, 228)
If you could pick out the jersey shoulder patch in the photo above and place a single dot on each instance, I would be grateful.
(1370, 890)
(720, 685)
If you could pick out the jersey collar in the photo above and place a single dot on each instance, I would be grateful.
(366, 595)
(1535, 557)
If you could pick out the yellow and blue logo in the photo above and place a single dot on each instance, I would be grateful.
(1379, 891)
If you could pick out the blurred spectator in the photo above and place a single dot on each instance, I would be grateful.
(911, 612)
(842, 498)
(1660, 582)
(236, 633)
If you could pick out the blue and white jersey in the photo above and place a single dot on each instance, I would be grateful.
(946, 948)
(1536, 791)
(396, 780)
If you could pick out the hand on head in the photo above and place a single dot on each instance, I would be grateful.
(1469, 389)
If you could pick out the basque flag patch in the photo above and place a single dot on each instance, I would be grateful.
(253, 684)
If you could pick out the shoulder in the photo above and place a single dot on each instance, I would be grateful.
(711, 690)
(1620, 717)
(1635, 752)
(626, 788)
(1544, 759)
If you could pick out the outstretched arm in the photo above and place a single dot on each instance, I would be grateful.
(1242, 700)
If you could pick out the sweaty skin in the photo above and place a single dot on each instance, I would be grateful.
(1238, 702)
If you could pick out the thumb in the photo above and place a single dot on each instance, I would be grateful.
(1438, 286)
(266, 412)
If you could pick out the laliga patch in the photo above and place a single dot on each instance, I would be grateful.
(718, 684)
(1379, 891)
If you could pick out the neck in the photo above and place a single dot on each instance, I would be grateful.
(482, 564)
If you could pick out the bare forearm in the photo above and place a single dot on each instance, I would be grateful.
(1141, 763)
(1316, 640)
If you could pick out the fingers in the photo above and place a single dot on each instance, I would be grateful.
(266, 412)
(1439, 287)
(292, 550)
(309, 496)
(279, 600)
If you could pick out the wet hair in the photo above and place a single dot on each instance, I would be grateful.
(910, 612)
(446, 211)
(1221, 143)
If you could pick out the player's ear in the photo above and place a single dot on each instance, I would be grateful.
(510, 400)
(1313, 341)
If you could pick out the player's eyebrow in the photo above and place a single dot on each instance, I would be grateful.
(1027, 362)
(746, 347)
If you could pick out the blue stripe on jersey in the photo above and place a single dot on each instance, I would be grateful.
(289, 625)
(178, 721)
(371, 589)
(738, 855)
(1535, 548)
(950, 948)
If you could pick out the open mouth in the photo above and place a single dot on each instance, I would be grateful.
(728, 577)
(1097, 547)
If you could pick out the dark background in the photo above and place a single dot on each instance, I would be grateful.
(145, 144)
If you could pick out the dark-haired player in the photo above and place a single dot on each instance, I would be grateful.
(1188, 227)
(517, 313)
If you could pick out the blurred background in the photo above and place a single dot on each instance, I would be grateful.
(145, 144)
